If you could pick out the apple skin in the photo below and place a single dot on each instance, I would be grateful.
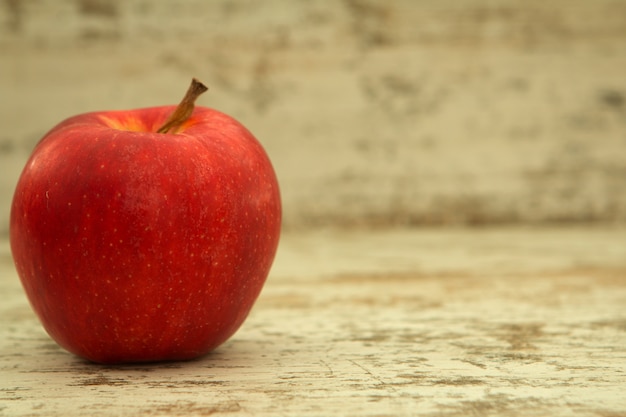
(135, 246)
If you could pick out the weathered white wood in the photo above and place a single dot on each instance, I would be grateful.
(500, 322)
(430, 111)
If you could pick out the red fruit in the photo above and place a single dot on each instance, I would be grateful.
(137, 246)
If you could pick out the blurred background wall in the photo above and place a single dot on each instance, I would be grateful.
(375, 113)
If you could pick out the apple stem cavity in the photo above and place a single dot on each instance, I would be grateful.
(185, 107)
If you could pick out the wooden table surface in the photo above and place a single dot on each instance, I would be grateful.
(425, 322)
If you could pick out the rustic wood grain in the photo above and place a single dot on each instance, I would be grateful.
(389, 112)
(502, 322)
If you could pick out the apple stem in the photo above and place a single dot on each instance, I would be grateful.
(185, 107)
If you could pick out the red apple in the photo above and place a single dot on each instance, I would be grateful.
(136, 246)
